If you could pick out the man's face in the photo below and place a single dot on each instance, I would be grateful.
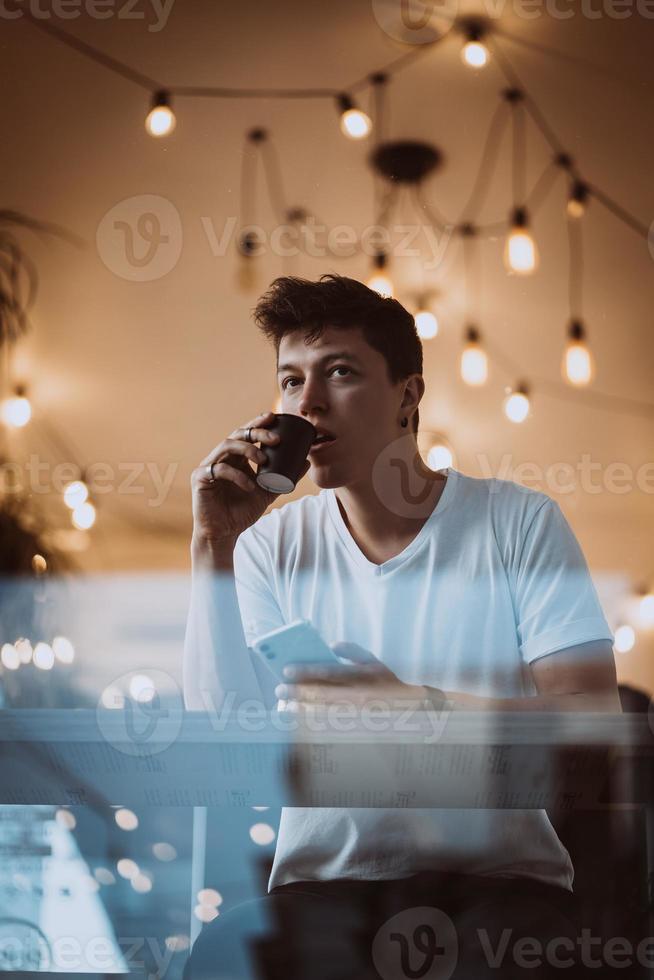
(341, 385)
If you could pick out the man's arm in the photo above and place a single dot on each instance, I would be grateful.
(218, 670)
(578, 678)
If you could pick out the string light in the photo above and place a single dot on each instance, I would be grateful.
(127, 868)
(520, 253)
(262, 834)
(43, 656)
(355, 124)
(24, 648)
(39, 564)
(426, 322)
(625, 638)
(126, 819)
(646, 611)
(474, 361)
(474, 52)
(9, 656)
(439, 456)
(75, 493)
(17, 411)
(379, 280)
(577, 367)
(576, 206)
(141, 688)
(83, 516)
(141, 883)
(516, 404)
(63, 649)
(160, 121)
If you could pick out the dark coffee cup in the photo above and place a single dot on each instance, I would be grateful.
(286, 459)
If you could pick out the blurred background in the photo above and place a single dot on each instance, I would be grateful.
(162, 164)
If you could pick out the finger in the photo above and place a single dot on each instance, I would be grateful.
(352, 651)
(232, 447)
(336, 673)
(265, 418)
(223, 471)
(257, 434)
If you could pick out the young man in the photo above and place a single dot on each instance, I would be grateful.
(477, 588)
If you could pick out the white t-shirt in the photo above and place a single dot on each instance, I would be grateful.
(494, 579)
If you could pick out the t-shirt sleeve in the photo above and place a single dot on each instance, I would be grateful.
(254, 577)
(556, 604)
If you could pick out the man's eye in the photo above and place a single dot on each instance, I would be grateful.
(337, 367)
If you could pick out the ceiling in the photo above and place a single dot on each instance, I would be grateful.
(156, 372)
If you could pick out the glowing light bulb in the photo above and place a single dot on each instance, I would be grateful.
(520, 252)
(141, 883)
(625, 638)
(43, 656)
(127, 868)
(355, 124)
(210, 897)
(142, 689)
(381, 284)
(163, 851)
(16, 411)
(24, 648)
(160, 121)
(126, 819)
(262, 833)
(205, 913)
(474, 54)
(380, 281)
(66, 819)
(474, 362)
(83, 516)
(63, 649)
(578, 366)
(426, 324)
(517, 405)
(75, 493)
(576, 206)
(39, 565)
(646, 611)
(9, 656)
(439, 457)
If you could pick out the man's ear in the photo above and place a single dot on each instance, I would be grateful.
(414, 389)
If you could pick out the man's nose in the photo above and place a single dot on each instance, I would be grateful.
(313, 396)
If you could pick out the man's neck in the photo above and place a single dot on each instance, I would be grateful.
(375, 525)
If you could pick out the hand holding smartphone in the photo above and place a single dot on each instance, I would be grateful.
(298, 643)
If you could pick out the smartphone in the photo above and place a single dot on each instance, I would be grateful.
(297, 643)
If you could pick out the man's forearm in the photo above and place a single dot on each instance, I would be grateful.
(217, 661)
(597, 701)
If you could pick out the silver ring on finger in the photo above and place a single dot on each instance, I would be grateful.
(247, 435)
(212, 478)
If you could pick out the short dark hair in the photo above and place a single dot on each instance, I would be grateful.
(293, 304)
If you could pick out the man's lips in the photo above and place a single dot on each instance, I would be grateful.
(318, 447)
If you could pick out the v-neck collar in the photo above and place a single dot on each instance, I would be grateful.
(388, 566)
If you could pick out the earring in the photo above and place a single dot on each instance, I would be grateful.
(404, 423)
